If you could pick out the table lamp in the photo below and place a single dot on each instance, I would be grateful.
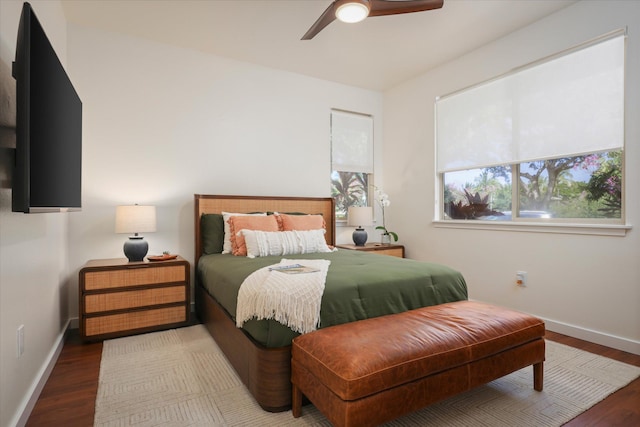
(135, 219)
(360, 217)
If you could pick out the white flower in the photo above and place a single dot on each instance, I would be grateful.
(383, 199)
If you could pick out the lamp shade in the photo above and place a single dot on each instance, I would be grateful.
(360, 216)
(135, 219)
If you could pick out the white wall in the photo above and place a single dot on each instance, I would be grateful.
(588, 286)
(162, 123)
(34, 273)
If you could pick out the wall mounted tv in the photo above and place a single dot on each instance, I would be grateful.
(48, 169)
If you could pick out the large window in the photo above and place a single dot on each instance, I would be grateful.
(542, 143)
(351, 160)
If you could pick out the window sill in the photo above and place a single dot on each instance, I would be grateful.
(617, 230)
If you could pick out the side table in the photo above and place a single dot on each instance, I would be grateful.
(119, 298)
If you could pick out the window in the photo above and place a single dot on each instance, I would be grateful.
(351, 160)
(543, 143)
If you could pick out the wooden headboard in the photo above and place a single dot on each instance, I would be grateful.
(205, 204)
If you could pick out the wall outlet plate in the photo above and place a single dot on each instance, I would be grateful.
(521, 278)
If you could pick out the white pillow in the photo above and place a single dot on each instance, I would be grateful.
(226, 244)
(264, 243)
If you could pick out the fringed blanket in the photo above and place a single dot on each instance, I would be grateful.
(291, 299)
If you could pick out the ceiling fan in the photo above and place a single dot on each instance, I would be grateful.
(356, 10)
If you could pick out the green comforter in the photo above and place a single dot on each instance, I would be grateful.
(359, 285)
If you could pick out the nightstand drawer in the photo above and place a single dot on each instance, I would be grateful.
(397, 252)
(134, 320)
(95, 303)
(94, 280)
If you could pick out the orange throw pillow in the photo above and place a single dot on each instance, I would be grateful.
(237, 223)
(301, 222)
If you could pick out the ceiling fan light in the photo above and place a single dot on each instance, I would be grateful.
(352, 11)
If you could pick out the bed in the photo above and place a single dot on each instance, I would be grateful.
(358, 285)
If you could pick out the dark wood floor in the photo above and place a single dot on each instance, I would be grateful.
(69, 396)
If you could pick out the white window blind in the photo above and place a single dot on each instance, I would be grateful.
(566, 106)
(351, 142)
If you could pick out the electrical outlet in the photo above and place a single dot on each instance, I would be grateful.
(521, 278)
(20, 340)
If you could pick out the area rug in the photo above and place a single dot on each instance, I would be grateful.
(180, 377)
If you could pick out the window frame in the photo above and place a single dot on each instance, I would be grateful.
(590, 226)
(368, 167)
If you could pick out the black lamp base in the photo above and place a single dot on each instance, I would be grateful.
(136, 248)
(360, 236)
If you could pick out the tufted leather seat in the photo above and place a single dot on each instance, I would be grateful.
(374, 370)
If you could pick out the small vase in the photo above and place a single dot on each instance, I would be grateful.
(385, 239)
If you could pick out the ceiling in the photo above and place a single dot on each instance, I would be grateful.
(377, 54)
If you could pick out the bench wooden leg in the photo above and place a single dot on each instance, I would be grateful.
(296, 401)
(538, 372)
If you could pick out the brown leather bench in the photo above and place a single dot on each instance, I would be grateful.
(371, 371)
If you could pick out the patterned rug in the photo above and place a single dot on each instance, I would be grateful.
(181, 378)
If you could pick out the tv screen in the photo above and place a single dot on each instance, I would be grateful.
(47, 174)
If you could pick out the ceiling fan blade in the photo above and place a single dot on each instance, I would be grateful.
(377, 8)
(325, 19)
(390, 7)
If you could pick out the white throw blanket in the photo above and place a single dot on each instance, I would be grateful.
(291, 299)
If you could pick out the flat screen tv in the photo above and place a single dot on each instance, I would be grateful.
(48, 169)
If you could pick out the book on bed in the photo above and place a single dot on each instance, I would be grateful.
(294, 269)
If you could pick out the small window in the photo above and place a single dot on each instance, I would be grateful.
(351, 160)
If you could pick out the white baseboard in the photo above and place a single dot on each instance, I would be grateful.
(31, 397)
(596, 337)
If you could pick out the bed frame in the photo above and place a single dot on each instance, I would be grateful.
(266, 372)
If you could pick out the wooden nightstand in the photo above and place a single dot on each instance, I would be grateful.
(393, 250)
(119, 298)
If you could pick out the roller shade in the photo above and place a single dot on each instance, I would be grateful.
(569, 105)
(351, 142)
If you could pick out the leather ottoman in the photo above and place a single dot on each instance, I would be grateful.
(371, 371)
